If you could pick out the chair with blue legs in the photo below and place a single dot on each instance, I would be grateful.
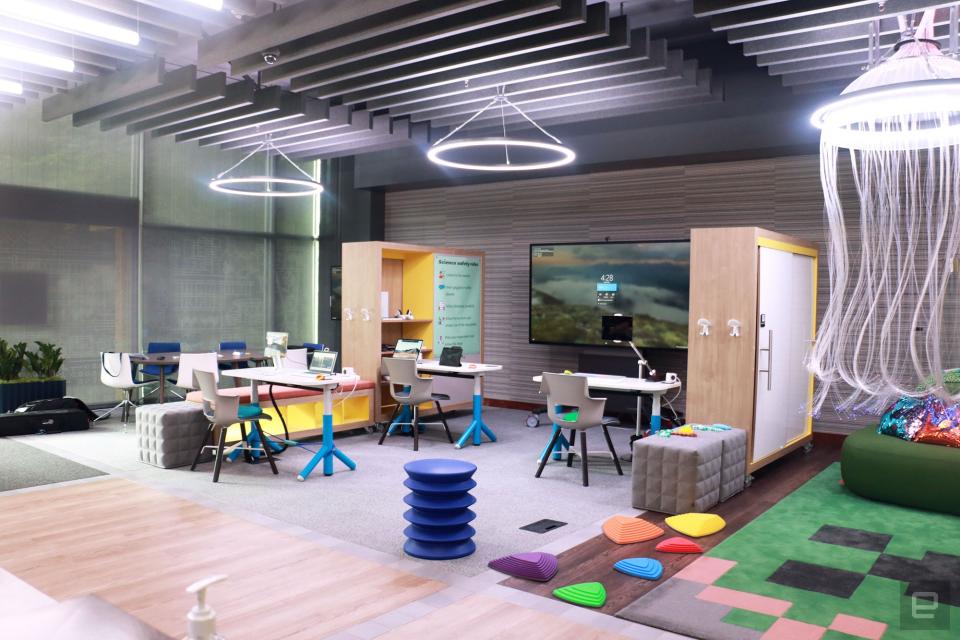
(153, 372)
(223, 411)
(234, 345)
(409, 391)
(570, 406)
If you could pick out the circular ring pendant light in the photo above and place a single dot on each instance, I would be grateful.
(558, 154)
(264, 186)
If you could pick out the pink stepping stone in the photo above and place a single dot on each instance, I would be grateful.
(743, 600)
(784, 629)
(860, 627)
(705, 570)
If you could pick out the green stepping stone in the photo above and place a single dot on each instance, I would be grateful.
(585, 594)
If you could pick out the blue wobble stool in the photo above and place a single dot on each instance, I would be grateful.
(439, 513)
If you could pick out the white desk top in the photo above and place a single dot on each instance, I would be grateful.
(623, 383)
(465, 369)
(297, 377)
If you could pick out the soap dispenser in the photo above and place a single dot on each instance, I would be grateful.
(202, 619)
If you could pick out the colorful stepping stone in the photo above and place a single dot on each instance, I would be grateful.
(531, 566)
(646, 568)
(585, 594)
(696, 525)
(679, 545)
(627, 530)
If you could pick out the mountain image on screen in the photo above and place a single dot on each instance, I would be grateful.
(572, 286)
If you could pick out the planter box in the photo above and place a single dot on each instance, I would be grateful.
(14, 394)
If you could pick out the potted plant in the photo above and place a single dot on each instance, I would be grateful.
(45, 363)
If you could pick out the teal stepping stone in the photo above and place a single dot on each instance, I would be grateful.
(646, 568)
(585, 594)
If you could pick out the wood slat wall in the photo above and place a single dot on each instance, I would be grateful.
(663, 203)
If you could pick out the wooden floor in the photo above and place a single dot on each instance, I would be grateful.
(480, 616)
(593, 560)
(139, 548)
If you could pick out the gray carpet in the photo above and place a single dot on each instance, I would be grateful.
(23, 466)
(366, 506)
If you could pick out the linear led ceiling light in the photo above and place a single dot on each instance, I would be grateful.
(34, 12)
(216, 5)
(34, 57)
(447, 152)
(11, 87)
(264, 186)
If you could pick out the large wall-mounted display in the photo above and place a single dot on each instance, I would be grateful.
(572, 286)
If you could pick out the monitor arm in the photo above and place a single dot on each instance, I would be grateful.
(641, 361)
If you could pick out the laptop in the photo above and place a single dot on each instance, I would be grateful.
(407, 348)
(323, 362)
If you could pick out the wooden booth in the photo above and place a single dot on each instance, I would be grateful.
(753, 309)
(380, 278)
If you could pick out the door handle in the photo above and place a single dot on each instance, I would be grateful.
(769, 350)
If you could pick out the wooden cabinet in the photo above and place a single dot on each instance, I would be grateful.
(757, 380)
(406, 273)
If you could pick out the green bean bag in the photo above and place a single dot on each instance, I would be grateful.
(911, 474)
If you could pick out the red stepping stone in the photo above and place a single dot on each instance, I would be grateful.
(679, 545)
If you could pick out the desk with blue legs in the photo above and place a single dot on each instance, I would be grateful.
(621, 385)
(303, 380)
(474, 370)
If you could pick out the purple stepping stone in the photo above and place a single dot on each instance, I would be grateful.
(532, 565)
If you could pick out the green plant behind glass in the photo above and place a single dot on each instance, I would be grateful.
(46, 361)
(11, 359)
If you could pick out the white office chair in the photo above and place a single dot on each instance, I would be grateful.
(410, 390)
(295, 359)
(190, 362)
(116, 372)
(570, 406)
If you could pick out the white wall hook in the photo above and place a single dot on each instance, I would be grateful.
(734, 328)
(365, 315)
(704, 326)
(348, 313)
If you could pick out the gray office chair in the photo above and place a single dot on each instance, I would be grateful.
(570, 406)
(223, 411)
(410, 390)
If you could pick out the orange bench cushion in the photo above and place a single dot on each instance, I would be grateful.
(279, 393)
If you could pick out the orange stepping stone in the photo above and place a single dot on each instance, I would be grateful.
(627, 530)
(679, 545)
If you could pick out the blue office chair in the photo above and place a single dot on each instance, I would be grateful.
(314, 346)
(155, 370)
(234, 345)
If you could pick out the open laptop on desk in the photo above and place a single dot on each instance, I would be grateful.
(323, 362)
(407, 348)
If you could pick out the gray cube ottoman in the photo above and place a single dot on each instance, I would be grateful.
(169, 434)
(680, 474)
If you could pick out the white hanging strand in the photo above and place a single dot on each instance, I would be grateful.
(468, 121)
(244, 159)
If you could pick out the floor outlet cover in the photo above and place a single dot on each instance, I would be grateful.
(543, 526)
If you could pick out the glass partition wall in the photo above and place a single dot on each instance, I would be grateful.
(192, 266)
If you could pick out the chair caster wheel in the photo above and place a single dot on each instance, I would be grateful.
(807, 448)
(747, 482)
(533, 421)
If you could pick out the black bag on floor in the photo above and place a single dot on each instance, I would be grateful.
(54, 421)
(53, 404)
